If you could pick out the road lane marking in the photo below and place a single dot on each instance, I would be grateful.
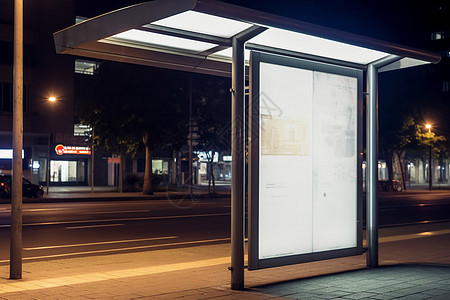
(94, 226)
(121, 220)
(103, 276)
(404, 237)
(101, 243)
(121, 249)
(33, 209)
(116, 212)
(42, 209)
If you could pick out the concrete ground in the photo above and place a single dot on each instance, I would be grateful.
(414, 264)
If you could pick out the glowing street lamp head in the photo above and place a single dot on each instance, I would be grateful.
(428, 126)
(51, 99)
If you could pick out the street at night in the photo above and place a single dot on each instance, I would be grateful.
(143, 248)
(228, 149)
(70, 229)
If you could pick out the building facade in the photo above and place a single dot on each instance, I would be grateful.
(46, 75)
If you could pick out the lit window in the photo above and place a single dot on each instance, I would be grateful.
(85, 67)
(437, 35)
(81, 130)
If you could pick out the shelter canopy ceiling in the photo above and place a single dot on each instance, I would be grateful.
(196, 36)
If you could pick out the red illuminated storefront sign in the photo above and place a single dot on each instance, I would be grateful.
(61, 149)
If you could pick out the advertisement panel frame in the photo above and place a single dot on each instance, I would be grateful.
(256, 58)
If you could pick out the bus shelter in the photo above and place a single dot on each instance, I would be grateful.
(306, 96)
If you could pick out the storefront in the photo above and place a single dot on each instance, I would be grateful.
(68, 165)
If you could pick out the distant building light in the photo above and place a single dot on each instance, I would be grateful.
(81, 130)
(79, 19)
(8, 154)
(36, 164)
(86, 67)
(437, 35)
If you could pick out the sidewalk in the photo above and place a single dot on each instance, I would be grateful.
(84, 193)
(414, 264)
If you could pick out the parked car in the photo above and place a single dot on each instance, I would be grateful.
(389, 186)
(29, 189)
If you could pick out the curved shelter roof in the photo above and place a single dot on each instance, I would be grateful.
(196, 36)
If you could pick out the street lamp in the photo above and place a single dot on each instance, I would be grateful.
(51, 99)
(430, 168)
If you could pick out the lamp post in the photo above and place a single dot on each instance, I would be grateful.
(17, 145)
(51, 99)
(430, 169)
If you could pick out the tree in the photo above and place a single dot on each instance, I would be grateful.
(136, 108)
(408, 98)
(396, 136)
(212, 115)
(433, 142)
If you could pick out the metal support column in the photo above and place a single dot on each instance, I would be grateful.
(17, 145)
(92, 162)
(372, 158)
(190, 177)
(237, 167)
(372, 167)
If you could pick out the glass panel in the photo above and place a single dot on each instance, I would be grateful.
(160, 40)
(55, 171)
(72, 171)
(81, 171)
(157, 166)
(299, 42)
(42, 169)
(63, 171)
(203, 23)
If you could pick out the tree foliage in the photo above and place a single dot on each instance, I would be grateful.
(212, 115)
(428, 138)
(135, 108)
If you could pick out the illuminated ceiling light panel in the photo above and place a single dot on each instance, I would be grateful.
(203, 23)
(161, 40)
(303, 43)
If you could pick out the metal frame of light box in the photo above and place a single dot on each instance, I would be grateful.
(256, 58)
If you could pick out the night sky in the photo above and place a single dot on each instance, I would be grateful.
(404, 22)
(401, 21)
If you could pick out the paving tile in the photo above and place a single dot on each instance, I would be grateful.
(385, 296)
(418, 296)
(362, 295)
(437, 292)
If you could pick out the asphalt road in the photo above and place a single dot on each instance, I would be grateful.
(72, 229)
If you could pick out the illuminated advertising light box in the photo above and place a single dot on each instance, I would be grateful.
(61, 149)
(8, 154)
(304, 188)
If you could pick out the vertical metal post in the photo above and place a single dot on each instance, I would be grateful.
(190, 181)
(372, 157)
(17, 143)
(48, 161)
(92, 162)
(430, 169)
(372, 167)
(237, 167)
